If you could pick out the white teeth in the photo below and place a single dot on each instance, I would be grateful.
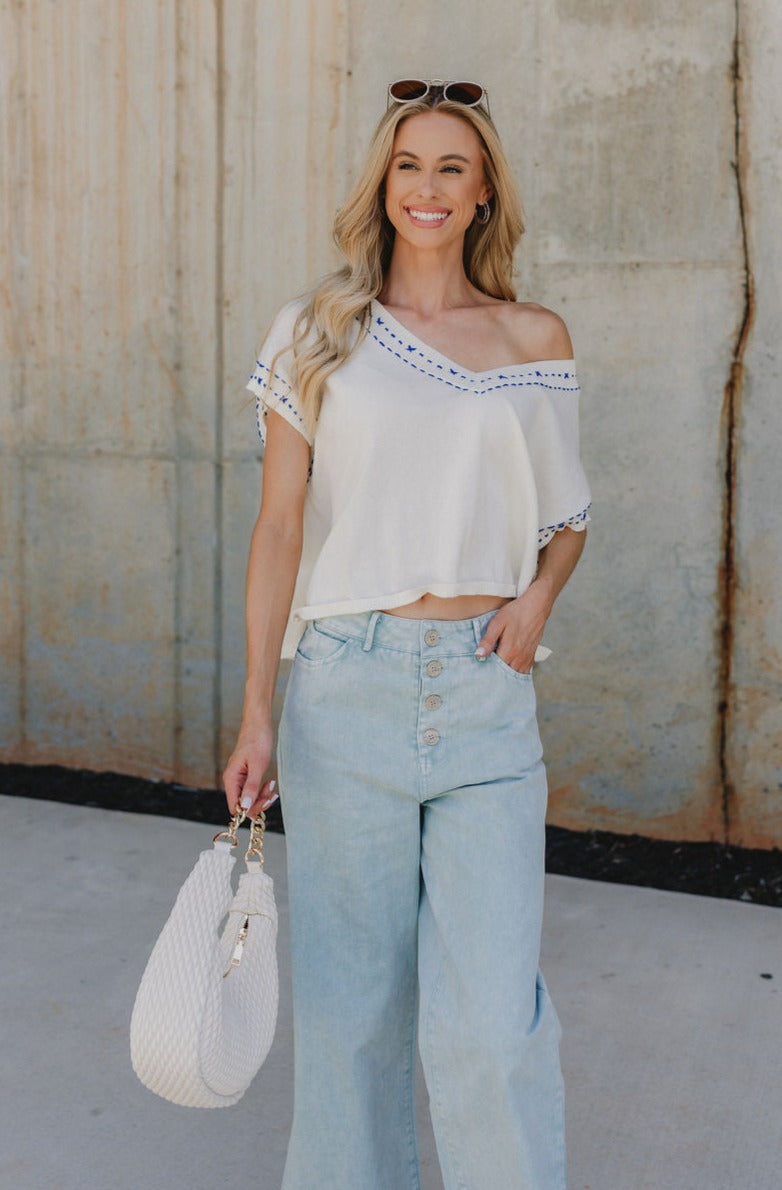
(429, 216)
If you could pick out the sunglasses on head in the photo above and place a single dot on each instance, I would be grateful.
(411, 90)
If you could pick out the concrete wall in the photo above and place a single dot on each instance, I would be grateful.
(169, 173)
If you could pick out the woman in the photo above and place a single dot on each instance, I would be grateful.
(423, 505)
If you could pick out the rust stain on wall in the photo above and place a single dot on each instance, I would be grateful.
(731, 417)
(696, 817)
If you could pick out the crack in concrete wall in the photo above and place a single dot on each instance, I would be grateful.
(177, 359)
(219, 309)
(731, 415)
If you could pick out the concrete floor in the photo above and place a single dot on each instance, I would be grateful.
(672, 1041)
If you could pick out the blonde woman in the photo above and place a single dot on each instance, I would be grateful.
(423, 505)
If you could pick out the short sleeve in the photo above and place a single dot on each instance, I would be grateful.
(564, 498)
(270, 380)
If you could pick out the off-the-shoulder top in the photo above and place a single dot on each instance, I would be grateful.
(426, 477)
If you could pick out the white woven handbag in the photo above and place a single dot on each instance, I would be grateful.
(206, 1010)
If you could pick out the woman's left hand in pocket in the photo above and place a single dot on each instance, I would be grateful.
(516, 629)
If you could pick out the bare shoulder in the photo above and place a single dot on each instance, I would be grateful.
(537, 333)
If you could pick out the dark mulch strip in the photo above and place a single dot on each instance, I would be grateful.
(705, 869)
(114, 791)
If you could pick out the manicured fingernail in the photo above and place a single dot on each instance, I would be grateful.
(272, 786)
(480, 653)
(271, 801)
(246, 802)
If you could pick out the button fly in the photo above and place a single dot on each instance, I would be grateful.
(432, 636)
(432, 702)
(431, 736)
(434, 668)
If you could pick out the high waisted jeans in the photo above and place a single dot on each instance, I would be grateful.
(414, 797)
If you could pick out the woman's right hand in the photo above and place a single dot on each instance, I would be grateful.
(243, 775)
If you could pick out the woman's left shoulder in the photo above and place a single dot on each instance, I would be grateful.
(538, 333)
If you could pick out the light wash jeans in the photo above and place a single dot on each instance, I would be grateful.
(414, 798)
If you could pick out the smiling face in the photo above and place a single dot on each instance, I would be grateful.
(435, 179)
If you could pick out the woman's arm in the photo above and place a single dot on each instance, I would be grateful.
(275, 552)
(516, 629)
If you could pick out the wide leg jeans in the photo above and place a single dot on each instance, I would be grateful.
(414, 797)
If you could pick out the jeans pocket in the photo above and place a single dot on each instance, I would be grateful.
(320, 646)
(517, 674)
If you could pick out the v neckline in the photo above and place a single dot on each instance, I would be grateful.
(413, 344)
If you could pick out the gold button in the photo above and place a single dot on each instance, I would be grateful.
(432, 702)
(434, 668)
(431, 736)
(432, 636)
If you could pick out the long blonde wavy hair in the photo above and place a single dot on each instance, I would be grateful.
(336, 314)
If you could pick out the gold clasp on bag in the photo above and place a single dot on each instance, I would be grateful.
(257, 829)
(233, 826)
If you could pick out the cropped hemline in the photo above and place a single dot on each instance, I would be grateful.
(382, 603)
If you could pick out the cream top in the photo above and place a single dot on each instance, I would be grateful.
(425, 477)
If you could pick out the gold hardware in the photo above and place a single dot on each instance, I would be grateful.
(254, 852)
(255, 846)
(257, 828)
(236, 957)
(233, 826)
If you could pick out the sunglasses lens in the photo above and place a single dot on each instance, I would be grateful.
(466, 93)
(407, 90)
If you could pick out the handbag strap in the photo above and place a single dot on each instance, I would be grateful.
(254, 852)
(253, 855)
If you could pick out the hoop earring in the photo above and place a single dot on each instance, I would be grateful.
(482, 213)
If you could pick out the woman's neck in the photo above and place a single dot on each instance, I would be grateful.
(426, 281)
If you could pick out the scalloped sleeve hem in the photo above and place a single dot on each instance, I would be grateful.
(578, 523)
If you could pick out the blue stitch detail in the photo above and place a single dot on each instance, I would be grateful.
(283, 397)
(545, 535)
(473, 384)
